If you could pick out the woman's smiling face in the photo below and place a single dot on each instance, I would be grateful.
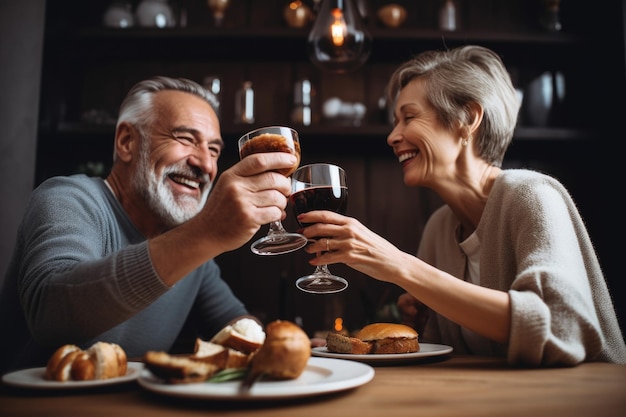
(427, 150)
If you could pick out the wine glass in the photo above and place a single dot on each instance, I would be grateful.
(218, 7)
(319, 187)
(274, 139)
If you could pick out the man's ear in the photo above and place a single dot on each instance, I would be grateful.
(126, 139)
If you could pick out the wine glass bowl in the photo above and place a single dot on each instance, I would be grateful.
(274, 139)
(271, 139)
(319, 187)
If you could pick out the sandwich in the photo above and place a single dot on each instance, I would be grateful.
(376, 338)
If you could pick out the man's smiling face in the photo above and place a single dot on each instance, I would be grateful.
(177, 158)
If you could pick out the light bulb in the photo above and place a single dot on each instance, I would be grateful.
(338, 29)
(338, 41)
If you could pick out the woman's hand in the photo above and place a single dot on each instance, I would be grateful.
(480, 309)
(342, 239)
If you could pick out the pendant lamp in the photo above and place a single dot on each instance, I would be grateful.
(338, 41)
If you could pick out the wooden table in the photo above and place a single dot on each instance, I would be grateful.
(455, 386)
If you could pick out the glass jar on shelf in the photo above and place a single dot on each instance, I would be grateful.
(119, 14)
(155, 13)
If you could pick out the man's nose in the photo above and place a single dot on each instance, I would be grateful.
(203, 159)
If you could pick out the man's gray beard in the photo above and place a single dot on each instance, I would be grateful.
(159, 196)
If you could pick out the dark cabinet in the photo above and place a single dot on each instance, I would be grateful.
(88, 68)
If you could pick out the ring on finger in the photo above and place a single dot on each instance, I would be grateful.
(327, 245)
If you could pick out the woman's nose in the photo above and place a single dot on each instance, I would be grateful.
(394, 136)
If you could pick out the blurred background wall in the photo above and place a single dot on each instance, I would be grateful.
(21, 45)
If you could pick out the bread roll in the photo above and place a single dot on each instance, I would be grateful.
(245, 335)
(390, 338)
(284, 354)
(101, 361)
(83, 368)
(109, 360)
(51, 372)
(63, 371)
(377, 331)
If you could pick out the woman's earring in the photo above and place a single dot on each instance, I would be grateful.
(464, 142)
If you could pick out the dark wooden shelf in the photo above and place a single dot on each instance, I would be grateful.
(278, 33)
(287, 44)
(68, 130)
(71, 132)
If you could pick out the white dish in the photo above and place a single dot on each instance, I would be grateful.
(426, 350)
(320, 376)
(33, 378)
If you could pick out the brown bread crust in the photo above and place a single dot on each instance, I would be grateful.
(395, 345)
(339, 343)
(178, 369)
(230, 337)
(221, 356)
(375, 338)
(285, 353)
(101, 361)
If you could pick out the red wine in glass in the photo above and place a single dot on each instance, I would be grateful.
(319, 198)
(319, 187)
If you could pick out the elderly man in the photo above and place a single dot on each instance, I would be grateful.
(130, 258)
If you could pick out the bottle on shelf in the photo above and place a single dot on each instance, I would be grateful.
(214, 85)
(303, 112)
(244, 104)
(449, 16)
(551, 20)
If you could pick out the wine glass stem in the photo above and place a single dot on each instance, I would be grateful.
(321, 269)
(276, 227)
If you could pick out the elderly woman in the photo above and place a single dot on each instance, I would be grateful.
(505, 267)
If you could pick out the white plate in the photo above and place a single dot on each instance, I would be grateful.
(320, 376)
(426, 350)
(33, 378)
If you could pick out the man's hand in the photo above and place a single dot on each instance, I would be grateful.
(412, 312)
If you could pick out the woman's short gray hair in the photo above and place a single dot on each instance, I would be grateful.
(455, 78)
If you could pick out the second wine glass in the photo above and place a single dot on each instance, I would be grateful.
(274, 139)
(319, 187)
